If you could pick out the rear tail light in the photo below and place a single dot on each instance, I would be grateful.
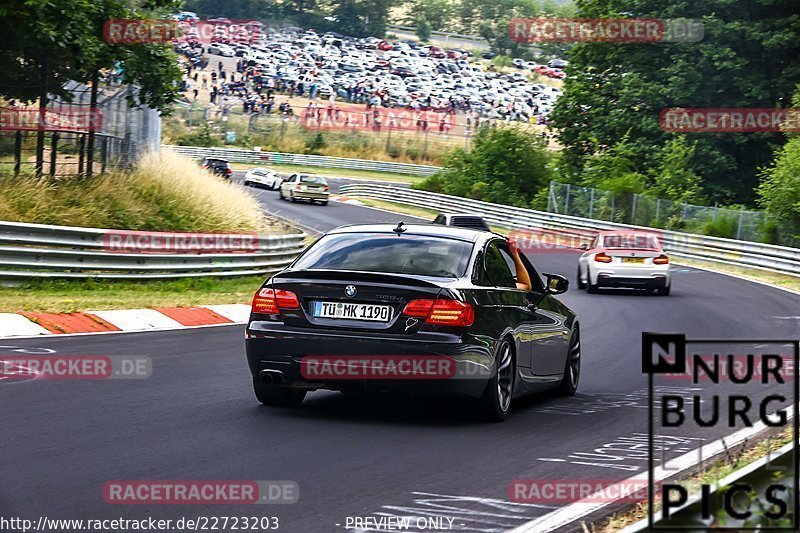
(602, 258)
(325, 188)
(441, 312)
(661, 260)
(268, 301)
(228, 171)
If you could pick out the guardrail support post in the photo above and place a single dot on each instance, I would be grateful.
(53, 153)
(17, 152)
(739, 227)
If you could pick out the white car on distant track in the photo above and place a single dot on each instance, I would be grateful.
(264, 177)
(632, 259)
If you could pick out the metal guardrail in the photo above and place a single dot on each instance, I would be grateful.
(235, 155)
(445, 34)
(767, 257)
(43, 251)
(762, 469)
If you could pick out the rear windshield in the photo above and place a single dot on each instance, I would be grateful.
(311, 179)
(631, 241)
(408, 254)
(260, 171)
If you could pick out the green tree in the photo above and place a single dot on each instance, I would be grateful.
(439, 13)
(748, 58)
(44, 44)
(423, 29)
(779, 192)
(506, 165)
(674, 178)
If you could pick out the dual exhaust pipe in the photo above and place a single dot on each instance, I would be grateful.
(271, 377)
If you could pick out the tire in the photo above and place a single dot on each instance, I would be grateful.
(581, 284)
(280, 191)
(495, 404)
(324, 202)
(664, 291)
(277, 396)
(246, 184)
(591, 288)
(292, 198)
(572, 368)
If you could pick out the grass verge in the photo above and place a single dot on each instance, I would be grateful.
(712, 473)
(399, 208)
(164, 193)
(68, 296)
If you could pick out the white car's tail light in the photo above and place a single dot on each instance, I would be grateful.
(661, 260)
(602, 258)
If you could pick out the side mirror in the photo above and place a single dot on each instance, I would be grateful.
(584, 246)
(556, 284)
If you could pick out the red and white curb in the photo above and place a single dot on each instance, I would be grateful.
(31, 324)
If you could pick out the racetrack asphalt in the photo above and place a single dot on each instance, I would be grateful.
(197, 418)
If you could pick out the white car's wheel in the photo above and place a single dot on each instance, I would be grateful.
(581, 284)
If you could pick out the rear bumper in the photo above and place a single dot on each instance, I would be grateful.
(631, 276)
(655, 281)
(310, 195)
(275, 346)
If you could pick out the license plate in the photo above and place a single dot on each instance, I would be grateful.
(633, 260)
(351, 311)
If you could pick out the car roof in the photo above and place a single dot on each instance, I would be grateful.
(431, 230)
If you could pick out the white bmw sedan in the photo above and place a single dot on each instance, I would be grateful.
(633, 259)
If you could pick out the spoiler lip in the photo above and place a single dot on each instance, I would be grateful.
(356, 276)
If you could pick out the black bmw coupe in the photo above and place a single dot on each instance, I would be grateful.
(423, 308)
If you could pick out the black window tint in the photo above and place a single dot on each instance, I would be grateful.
(536, 281)
(409, 254)
(497, 270)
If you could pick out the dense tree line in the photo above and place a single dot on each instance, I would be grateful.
(749, 58)
(44, 44)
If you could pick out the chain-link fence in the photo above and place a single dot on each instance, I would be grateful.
(123, 132)
(643, 210)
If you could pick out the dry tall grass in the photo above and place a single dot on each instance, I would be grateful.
(165, 192)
